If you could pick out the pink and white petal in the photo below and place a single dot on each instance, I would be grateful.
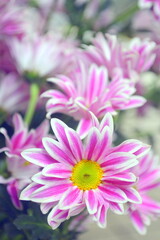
(57, 170)
(58, 128)
(18, 123)
(113, 194)
(8, 141)
(101, 215)
(116, 208)
(45, 180)
(45, 207)
(58, 152)
(121, 178)
(135, 101)
(133, 195)
(75, 143)
(91, 201)
(50, 193)
(26, 193)
(70, 198)
(117, 162)
(91, 143)
(107, 121)
(137, 221)
(84, 127)
(58, 215)
(13, 191)
(38, 157)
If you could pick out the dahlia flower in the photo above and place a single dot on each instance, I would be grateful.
(148, 173)
(20, 170)
(153, 4)
(14, 94)
(91, 91)
(75, 176)
(107, 51)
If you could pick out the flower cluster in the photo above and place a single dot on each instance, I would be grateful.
(71, 78)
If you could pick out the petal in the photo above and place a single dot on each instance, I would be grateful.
(121, 178)
(91, 201)
(13, 191)
(71, 198)
(38, 157)
(84, 127)
(26, 193)
(133, 195)
(113, 194)
(49, 193)
(116, 207)
(58, 151)
(57, 170)
(137, 221)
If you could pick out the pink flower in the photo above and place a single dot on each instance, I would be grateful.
(42, 55)
(76, 175)
(14, 94)
(108, 51)
(89, 90)
(148, 173)
(20, 170)
(153, 4)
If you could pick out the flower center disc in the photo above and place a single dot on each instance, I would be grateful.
(87, 175)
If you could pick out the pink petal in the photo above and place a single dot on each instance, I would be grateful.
(58, 152)
(26, 193)
(57, 170)
(49, 193)
(116, 207)
(84, 127)
(45, 207)
(135, 101)
(137, 221)
(71, 198)
(133, 195)
(113, 194)
(121, 178)
(91, 201)
(13, 191)
(38, 157)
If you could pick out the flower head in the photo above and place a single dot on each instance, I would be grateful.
(148, 173)
(89, 90)
(19, 169)
(77, 175)
(108, 51)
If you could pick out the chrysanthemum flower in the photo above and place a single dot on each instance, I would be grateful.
(89, 90)
(108, 51)
(151, 4)
(42, 55)
(148, 173)
(20, 170)
(76, 175)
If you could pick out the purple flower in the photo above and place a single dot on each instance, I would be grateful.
(92, 175)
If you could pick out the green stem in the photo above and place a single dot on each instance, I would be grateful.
(126, 14)
(34, 94)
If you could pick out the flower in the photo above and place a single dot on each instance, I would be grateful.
(89, 90)
(42, 55)
(76, 176)
(19, 169)
(15, 97)
(108, 51)
(148, 172)
(153, 4)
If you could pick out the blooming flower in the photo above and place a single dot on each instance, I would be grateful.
(93, 175)
(20, 170)
(148, 172)
(153, 4)
(89, 90)
(107, 51)
(15, 97)
(41, 55)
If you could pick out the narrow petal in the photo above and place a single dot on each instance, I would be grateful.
(91, 201)
(133, 195)
(57, 170)
(13, 191)
(84, 127)
(137, 221)
(71, 198)
(38, 156)
(113, 194)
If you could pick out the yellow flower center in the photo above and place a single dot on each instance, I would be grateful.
(87, 175)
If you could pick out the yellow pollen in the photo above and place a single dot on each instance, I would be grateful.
(26, 163)
(87, 175)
